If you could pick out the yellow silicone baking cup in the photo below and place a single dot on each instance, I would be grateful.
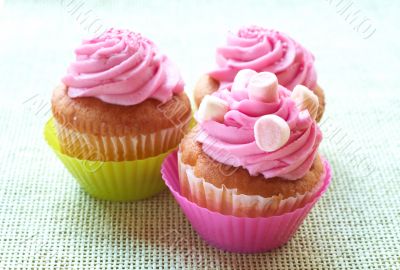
(111, 180)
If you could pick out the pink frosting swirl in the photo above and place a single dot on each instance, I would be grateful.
(262, 49)
(232, 142)
(122, 67)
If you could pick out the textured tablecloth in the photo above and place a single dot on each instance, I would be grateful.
(48, 222)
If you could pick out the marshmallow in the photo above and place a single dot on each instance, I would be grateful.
(242, 78)
(212, 108)
(263, 87)
(271, 132)
(305, 100)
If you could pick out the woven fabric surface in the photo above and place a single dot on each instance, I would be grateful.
(48, 222)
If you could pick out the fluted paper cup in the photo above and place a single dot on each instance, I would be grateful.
(228, 201)
(112, 180)
(239, 234)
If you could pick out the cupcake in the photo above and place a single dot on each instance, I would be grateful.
(252, 159)
(120, 104)
(261, 50)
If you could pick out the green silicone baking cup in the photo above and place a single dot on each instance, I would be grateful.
(111, 180)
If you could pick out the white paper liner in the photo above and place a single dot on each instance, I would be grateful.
(92, 147)
(227, 201)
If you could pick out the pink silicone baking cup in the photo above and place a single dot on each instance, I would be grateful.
(239, 234)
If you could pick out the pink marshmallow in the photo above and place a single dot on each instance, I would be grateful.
(212, 108)
(242, 78)
(271, 132)
(305, 99)
(263, 87)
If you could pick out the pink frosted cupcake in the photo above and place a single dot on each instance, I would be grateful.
(121, 108)
(261, 49)
(253, 159)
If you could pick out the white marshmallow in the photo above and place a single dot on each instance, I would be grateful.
(305, 99)
(212, 108)
(242, 79)
(271, 132)
(263, 87)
